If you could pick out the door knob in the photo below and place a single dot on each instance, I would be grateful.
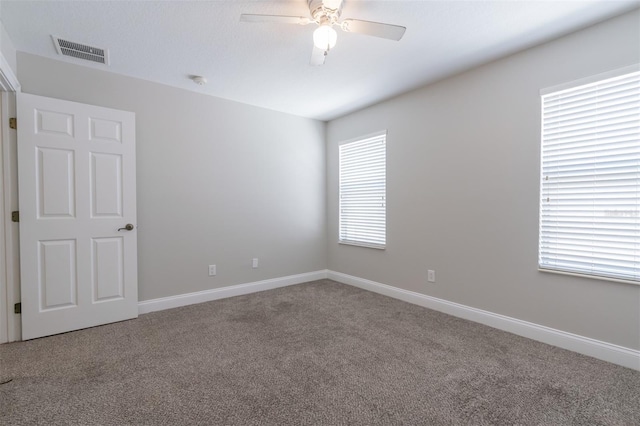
(127, 227)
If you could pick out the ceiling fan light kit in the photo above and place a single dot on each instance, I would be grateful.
(325, 14)
(325, 37)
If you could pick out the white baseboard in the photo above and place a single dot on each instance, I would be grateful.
(162, 303)
(602, 350)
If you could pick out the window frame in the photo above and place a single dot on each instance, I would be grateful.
(597, 275)
(352, 242)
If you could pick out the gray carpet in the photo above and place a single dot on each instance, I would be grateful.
(316, 353)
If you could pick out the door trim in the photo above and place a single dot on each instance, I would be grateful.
(4, 300)
(8, 80)
(9, 282)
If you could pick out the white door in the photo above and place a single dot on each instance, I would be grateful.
(77, 193)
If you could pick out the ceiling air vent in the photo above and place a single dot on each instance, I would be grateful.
(81, 51)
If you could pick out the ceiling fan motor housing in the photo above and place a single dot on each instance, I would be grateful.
(325, 11)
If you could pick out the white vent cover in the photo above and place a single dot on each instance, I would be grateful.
(81, 51)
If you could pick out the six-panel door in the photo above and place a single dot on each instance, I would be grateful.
(76, 166)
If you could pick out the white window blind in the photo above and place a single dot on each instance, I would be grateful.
(590, 189)
(363, 192)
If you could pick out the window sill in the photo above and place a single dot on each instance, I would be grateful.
(593, 277)
(358, 244)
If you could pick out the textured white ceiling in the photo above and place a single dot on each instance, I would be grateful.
(268, 64)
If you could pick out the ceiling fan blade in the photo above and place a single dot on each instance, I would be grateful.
(317, 56)
(376, 29)
(277, 19)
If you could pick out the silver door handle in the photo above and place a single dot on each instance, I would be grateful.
(127, 227)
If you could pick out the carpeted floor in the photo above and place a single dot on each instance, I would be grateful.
(316, 353)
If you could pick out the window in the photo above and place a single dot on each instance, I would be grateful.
(363, 192)
(590, 179)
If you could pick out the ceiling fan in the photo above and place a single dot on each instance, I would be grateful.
(325, 14)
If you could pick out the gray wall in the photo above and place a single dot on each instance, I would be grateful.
(462, 186)
(7, 49)
(218, 181)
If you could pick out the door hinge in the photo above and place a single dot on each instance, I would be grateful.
(13, 123)
(15, 216)
(17, 308)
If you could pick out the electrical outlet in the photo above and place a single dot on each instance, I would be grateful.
(212, 270)
(255, 262)
(431, 276)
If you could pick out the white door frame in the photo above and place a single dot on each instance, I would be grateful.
(9, 280)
